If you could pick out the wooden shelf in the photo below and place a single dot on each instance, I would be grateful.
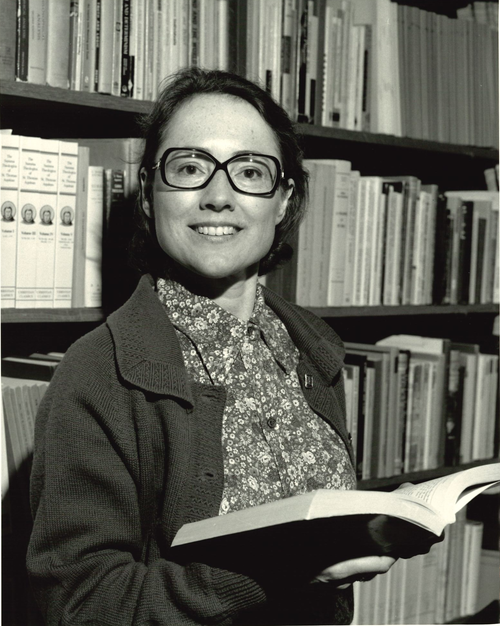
(341, 134)
(13, 90)
(416, 477)
(22, 316)
(45, 93)
(388, 311)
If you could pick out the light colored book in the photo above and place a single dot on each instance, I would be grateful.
(300, 527)
(350, 249)
(46, 224)
(89, 47)
(57, 43)
(29, 203)
(116, 72)
(377, 244)
(336, 259)
(37, 41)
(222, 18)
(381, 17)
(9, 201)
(106, 47)
(93, 243)
(80, 229)
(361, 237)
(65, 223)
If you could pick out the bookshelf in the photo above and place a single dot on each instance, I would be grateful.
(51, 112)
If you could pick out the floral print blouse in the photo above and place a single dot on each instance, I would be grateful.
(274, 445)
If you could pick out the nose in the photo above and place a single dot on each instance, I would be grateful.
(218, 195)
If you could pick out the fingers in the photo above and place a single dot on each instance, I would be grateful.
(364, 568)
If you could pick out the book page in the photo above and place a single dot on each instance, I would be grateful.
(451, 493)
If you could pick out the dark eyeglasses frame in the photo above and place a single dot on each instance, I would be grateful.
(220, 166)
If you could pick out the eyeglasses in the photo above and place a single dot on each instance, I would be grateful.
(249, 173)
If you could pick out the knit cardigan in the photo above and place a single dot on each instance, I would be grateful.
(127, 450)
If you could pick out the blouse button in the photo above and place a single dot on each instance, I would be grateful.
(271, 422)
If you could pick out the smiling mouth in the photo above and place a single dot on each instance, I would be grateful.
(216, 231)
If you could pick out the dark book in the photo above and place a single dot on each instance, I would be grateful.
(22, 40)
(482, 224)
(359, 361)
(464, 252)
(302, 65)
(455, 391)
(126, 78)
(19, 367)
(97, 44)
(297, 532)
(442, 257)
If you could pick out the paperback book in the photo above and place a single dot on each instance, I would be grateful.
(316, 529)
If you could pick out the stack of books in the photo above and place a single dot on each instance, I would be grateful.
(416, 403)
(57, 205)
(372, 240)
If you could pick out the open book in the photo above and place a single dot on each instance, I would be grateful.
(327, 526)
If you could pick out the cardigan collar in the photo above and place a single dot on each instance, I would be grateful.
(149, 356)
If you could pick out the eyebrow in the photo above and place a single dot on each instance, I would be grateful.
(237, 153)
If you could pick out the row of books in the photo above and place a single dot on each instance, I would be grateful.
(443, 585)
(57, 200)
(368, 65)
(415, 403)
(20, 401)
(378, 66)
(118, 47)
(372, 240)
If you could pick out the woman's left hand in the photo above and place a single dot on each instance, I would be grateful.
(346, 572)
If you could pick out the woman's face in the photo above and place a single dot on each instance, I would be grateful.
(186, 220)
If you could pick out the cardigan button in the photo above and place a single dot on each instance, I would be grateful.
(271, 422)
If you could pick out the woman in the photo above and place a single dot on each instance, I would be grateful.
(205, 393)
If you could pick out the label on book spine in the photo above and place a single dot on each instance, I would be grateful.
(29, 198)
(65, 216)
(10, 215)
(45, 243)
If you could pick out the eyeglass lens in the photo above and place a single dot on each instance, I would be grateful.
(249, 173)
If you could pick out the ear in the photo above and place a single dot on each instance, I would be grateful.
(145, 191)
(285, 198)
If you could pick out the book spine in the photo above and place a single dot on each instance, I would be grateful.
(9, 171)
(131, 71)
(74, 15)
(89, 47)
(116, 53)
(350, 239)
(106, 39)
(125, 65)
(37, 41)
(93, 239)
(80, 229)
(22, 33)
(8, 27)
(29, 199)
(65, 220)
(222, 18)
(337, 257)
(45, 243)
(97, 52)
(58, 44)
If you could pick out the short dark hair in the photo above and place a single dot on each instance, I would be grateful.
(146, 254)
